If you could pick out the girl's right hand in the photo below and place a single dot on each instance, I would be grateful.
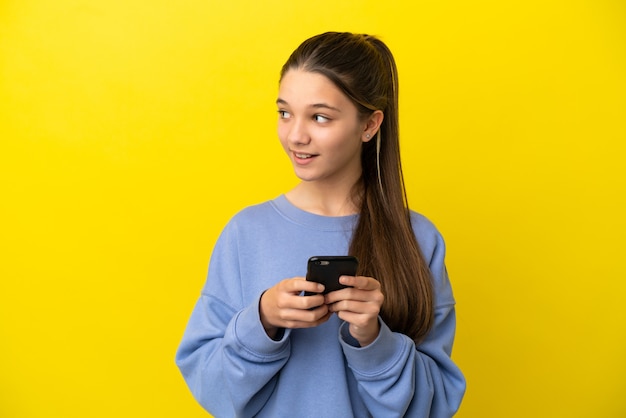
(283, 306)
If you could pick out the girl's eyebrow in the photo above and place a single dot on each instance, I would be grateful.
(280, 101)
(325, 106)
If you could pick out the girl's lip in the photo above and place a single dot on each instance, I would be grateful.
(303, 157)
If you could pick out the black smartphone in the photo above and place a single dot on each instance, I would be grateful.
(327, 270)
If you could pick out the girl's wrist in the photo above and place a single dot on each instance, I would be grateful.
(270, 329)
(365, 339)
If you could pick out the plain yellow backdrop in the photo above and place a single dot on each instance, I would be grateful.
(130, 132)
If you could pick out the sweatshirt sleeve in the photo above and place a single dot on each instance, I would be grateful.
(396, 377)
(225, 357)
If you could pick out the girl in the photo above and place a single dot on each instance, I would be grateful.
(255, 345)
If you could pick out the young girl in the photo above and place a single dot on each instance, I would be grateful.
(255, 345)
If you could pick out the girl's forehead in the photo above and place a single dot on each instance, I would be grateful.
(302, 78)
(305, 87)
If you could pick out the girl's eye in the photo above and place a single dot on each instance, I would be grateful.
(283, 114)
(321, 119)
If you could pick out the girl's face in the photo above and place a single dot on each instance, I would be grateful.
(320, 129)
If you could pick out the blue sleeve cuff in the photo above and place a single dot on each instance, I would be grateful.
(376, 357)
(250, 334)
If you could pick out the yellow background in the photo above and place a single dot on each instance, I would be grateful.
(130, 131)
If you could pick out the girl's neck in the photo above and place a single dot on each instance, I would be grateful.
(323, 200)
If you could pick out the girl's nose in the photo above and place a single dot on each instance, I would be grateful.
(298, 133)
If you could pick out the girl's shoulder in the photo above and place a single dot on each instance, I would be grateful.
(428, 236)
(253, 212)
(423, 225)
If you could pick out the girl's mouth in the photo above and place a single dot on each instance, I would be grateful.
(302, 158)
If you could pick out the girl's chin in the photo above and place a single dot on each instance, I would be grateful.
(305, 174)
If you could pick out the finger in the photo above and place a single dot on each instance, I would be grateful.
(300, 284)
(356, 307)
(311, 302)
(298, 318)
(354, 294)
(360, 282)
(299, 300)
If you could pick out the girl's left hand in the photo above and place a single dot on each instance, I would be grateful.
(358, 305)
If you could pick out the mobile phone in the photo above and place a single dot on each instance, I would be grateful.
(327, 270)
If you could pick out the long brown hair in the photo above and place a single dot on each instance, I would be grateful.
(383, 240)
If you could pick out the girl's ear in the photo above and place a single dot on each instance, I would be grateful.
(372, 125)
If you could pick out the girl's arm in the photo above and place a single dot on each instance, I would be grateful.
(398, 378)
(227, 359)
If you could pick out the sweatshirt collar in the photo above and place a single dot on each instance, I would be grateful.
(312, 220)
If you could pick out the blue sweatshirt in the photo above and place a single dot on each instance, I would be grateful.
(235, 370)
